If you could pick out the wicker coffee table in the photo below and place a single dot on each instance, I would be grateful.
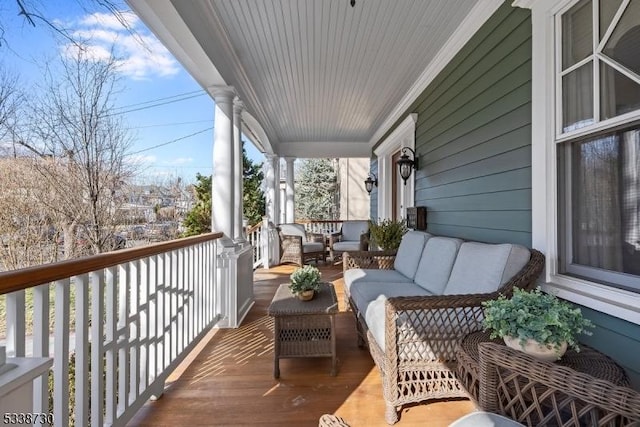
(304, 328)
(587, 361)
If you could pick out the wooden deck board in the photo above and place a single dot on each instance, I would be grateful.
(228, 380)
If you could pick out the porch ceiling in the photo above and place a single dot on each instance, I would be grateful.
(318, 78)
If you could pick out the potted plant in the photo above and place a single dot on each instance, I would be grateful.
(387, 234)
(535, 322)
(305, 281)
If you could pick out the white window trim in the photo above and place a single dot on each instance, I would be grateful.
(402, 136)
(544, 171)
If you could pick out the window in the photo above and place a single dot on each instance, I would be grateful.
(598, 137)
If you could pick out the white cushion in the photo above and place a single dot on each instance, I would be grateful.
(436, 263)
(357, 275)
(294, 230)
(409, 252)
(484, 419)
(484, 267)
(351, 230)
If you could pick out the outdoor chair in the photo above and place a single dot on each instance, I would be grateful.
(353, 236)
(298, 246)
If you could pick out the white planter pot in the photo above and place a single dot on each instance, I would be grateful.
(547, 353)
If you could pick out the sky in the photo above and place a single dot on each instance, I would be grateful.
(169, 115)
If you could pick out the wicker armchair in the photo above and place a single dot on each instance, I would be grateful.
(297, 246)
(421, 333)
(540, 393)
(353, 236)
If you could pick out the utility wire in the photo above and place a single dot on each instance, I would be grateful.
(159, 99)
(152, 106)
(171, 142)
(171, 124)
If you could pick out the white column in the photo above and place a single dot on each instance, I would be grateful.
(271, 187)
(278, 212)
(290, 192)
(238, 230)
(222, 182)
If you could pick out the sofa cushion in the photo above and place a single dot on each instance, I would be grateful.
(436, 263)
(362, 293)
(357, 275)
(351, 230)
(308, 247)
(409, 252)
(484, 267)
(346, 246)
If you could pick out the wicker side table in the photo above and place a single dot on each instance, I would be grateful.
(532, 401)
(304, 328)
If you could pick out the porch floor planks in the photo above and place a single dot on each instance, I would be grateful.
(228, 379)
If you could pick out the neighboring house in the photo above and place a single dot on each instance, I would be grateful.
(523, 116)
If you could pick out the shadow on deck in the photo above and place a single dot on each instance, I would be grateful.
(228, 379)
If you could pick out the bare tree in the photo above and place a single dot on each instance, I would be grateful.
(73, 124)
(11, 99)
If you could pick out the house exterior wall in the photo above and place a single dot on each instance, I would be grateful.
(373, 198)
(473, 136)
(473, 139)
(354, 203)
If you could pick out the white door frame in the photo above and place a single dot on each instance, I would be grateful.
(403, 136)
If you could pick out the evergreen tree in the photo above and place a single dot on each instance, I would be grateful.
(317, 190)
(198, 219)
(253, 196)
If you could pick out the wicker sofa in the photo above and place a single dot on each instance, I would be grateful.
(413, 307)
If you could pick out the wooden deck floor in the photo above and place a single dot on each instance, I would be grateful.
(228, 380)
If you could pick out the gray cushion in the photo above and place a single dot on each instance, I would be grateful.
(484, 267)
(294, 230)
(312, 247)
(409, 252)
(356, 275)
(436, 263)
(351, 230)
(346, 246)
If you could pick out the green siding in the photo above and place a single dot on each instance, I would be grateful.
(473, 136)
(618, 339)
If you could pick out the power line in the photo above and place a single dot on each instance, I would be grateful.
(159, 99)
(170, 124)
(154, 105)
(171, 142)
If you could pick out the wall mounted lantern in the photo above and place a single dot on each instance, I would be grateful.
(406, 164)
(371, 180)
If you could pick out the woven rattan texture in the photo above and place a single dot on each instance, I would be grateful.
(328, 420)
(291, 249)
(539, 393)
(304, 328)
(422, 333)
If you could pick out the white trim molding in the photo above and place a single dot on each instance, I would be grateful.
(544, 175)
(403, 136)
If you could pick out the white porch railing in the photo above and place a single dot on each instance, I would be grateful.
(254, 236)
(137, 313)
(321, 226)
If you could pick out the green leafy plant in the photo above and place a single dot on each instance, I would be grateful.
(304, 279)
(535, 315)
(387, 234)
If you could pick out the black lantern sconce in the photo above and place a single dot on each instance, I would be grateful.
(371, 180)
(405, 164)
